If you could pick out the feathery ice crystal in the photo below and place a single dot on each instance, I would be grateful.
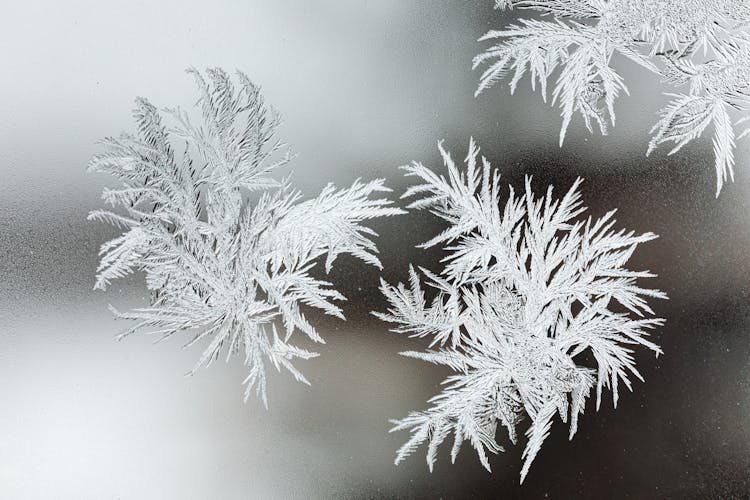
(227, 249)
(526, 292)
(701, 46)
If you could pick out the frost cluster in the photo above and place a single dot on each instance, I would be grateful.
(226, 248)
(699, 47)
(533, 309)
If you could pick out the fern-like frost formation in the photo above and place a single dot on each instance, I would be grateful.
(699, 46)
(528, 292)
(227, 248)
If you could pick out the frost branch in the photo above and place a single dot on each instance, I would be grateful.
(527, 288)
(226, 248)
(699, 45)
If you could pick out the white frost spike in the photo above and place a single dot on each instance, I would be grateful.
(702, 46)
(226, 248)
(528, 293)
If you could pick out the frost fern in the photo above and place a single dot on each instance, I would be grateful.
(227, 248)
(528, 293)
(700, 46)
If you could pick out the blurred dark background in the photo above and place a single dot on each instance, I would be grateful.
(364, 86)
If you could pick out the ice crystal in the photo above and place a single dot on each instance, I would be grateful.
(700, 46)
(226, 248)
(533, 309)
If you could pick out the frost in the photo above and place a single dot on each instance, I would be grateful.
(700, 46)
(226, 248)
(533, 309)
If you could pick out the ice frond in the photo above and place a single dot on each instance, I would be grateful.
(503, 4)
(533, 308)
(686, 117)
(699, 44)
(227, 248)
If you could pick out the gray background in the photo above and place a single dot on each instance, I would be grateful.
(364, 86)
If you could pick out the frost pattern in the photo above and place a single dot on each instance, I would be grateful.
(698, 46)
(225, 247)
(527, 294)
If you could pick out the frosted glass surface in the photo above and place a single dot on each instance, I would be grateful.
(363, 86)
